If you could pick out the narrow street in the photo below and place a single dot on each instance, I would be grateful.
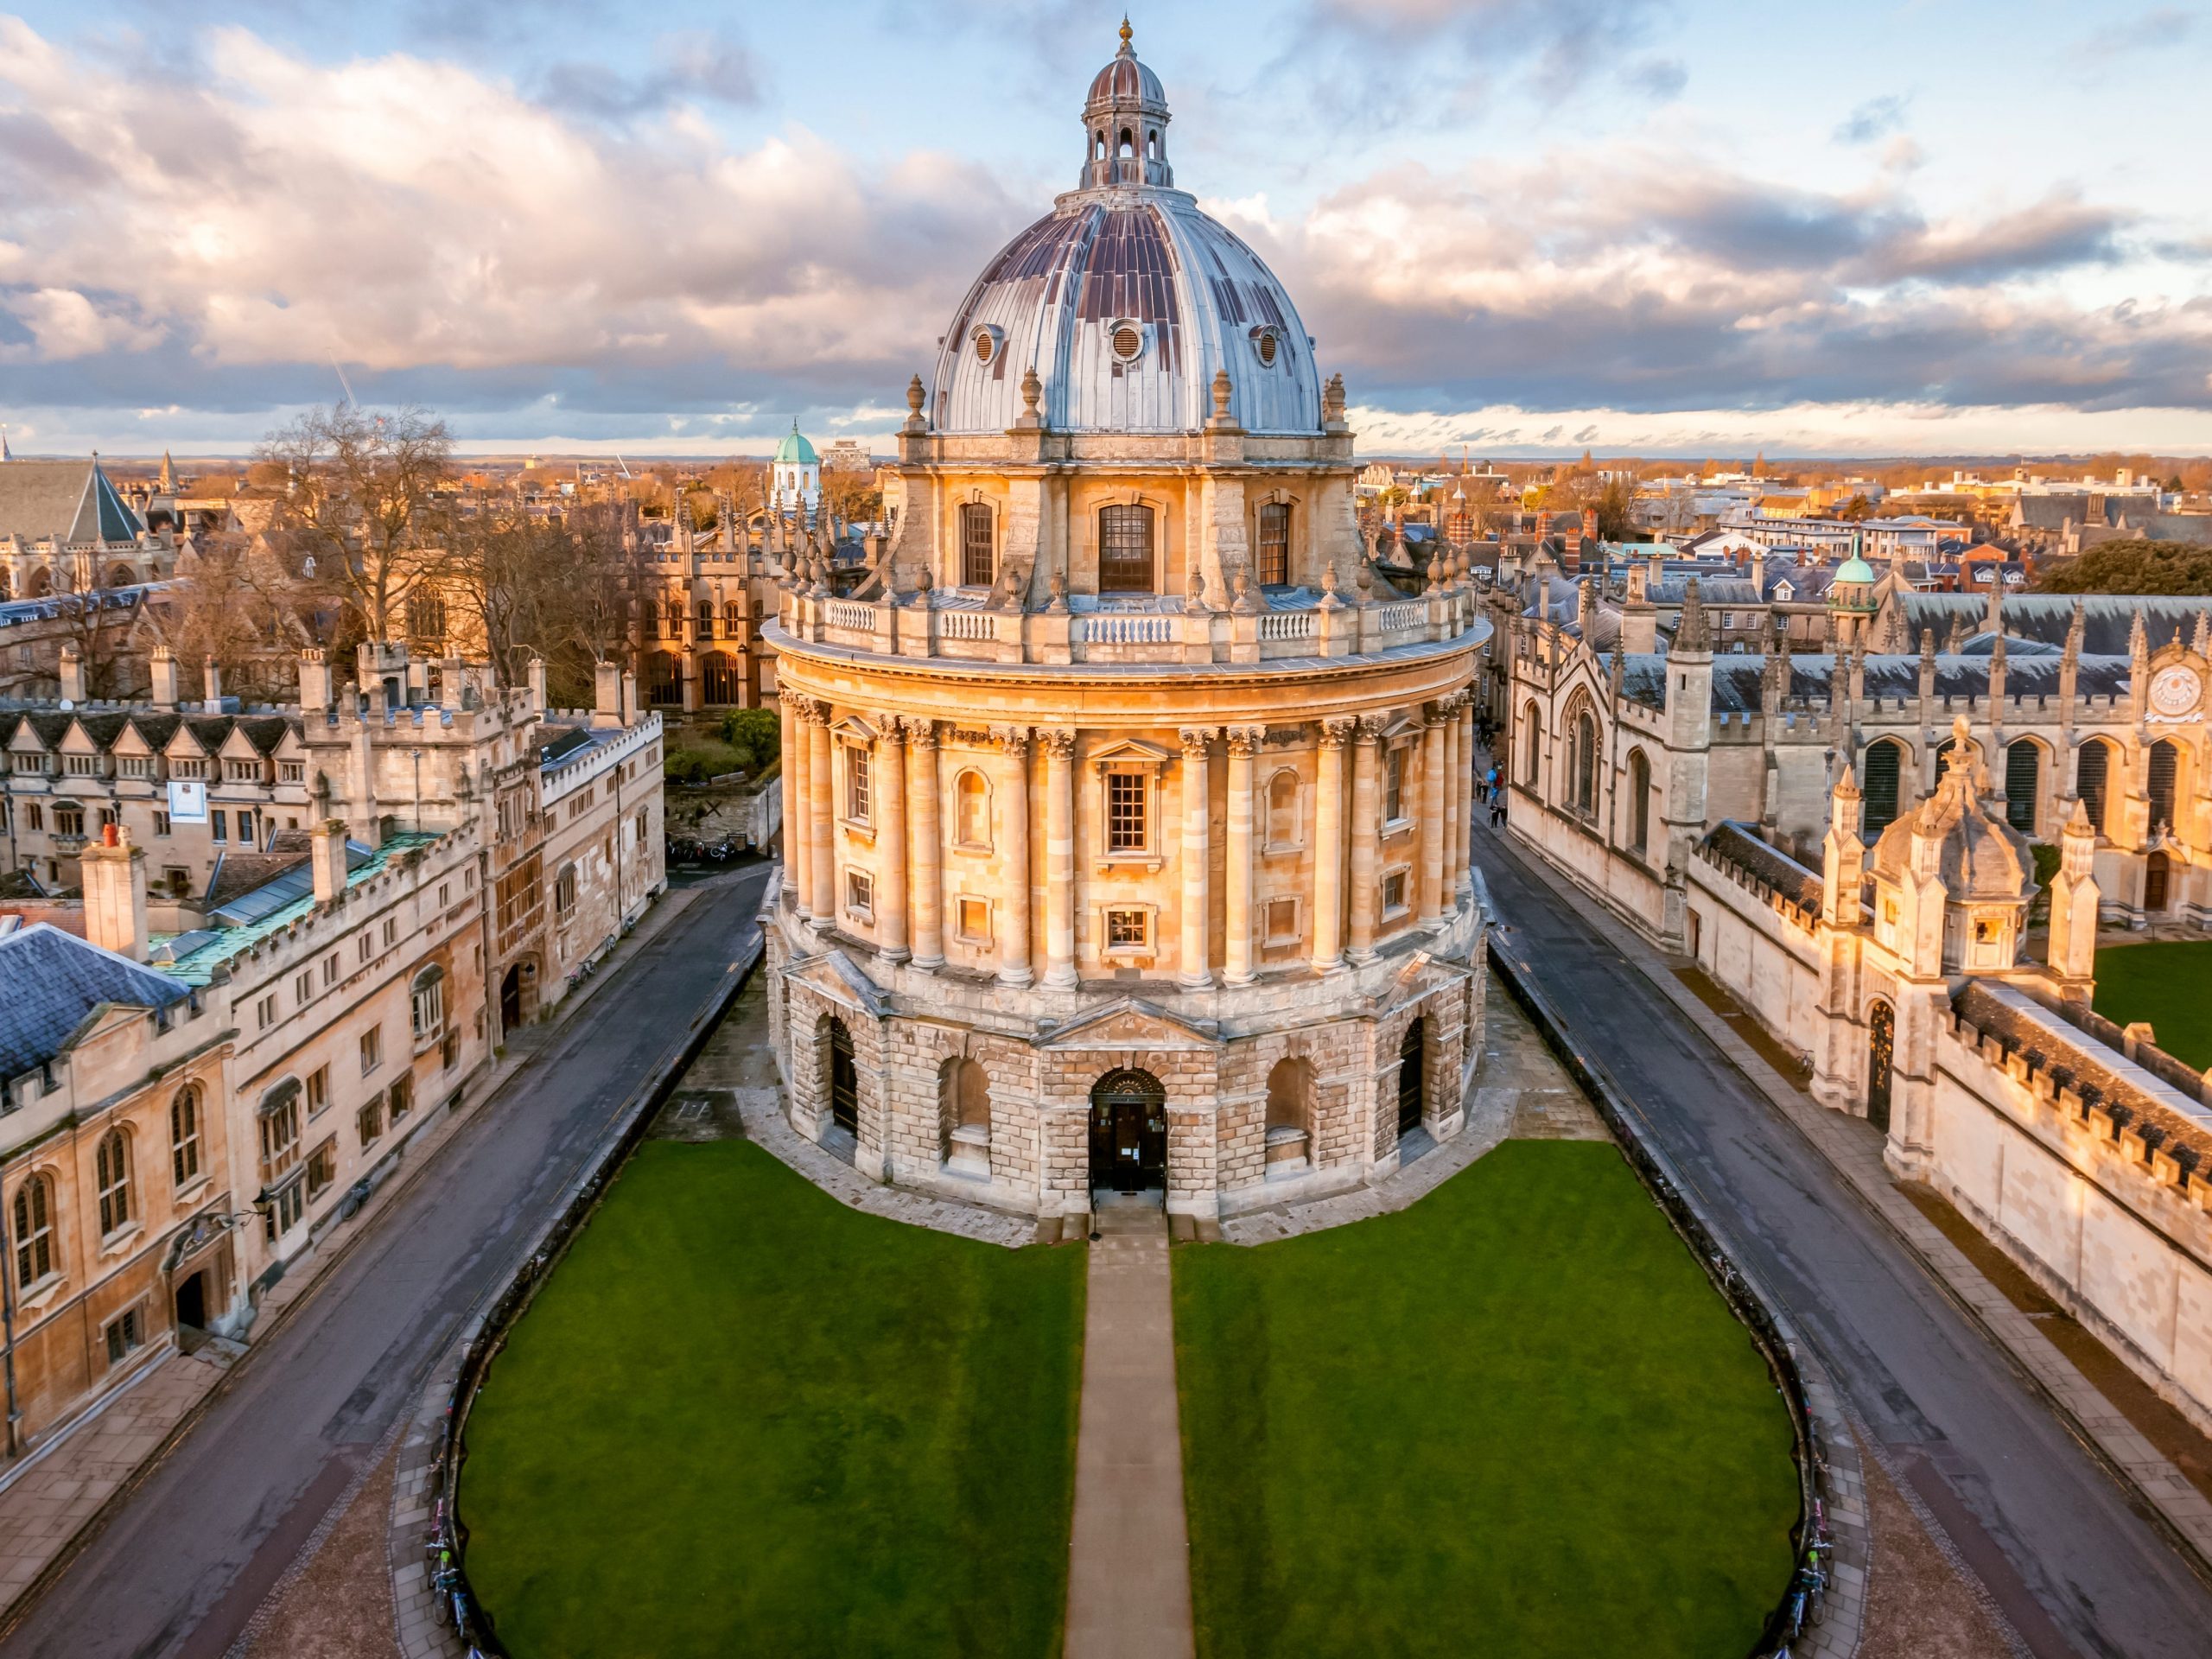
(2054, 1538)
(181, 1570)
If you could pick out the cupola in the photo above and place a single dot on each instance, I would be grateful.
(1125, 124)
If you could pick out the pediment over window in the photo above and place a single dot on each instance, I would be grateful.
(1130, 1022)
(833, 974)
(1130, 752)
(854, 728)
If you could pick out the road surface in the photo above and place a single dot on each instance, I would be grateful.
(199, 1546)
(2055, 1539)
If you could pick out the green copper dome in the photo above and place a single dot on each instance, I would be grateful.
(796, 449)
(1854, 568)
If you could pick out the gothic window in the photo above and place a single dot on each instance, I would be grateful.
(184, 1134)
(2023, 771)
(1585, 763)
(1879, 785)
(564, 892)
(718, 678)
(972, 811)
(428, 1003)
(1274, 542)
(35, 1257)
(2165, 766)
(1125, 548)
(1127, 830)
(664, 678)
(706, 623)
(978, 556)
(1532, 745)
(2090, 780)
(1639, 805)
(111, 1167)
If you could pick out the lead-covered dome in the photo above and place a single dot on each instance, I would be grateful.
(1126, 299)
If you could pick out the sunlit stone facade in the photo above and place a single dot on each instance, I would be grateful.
(1127, 807)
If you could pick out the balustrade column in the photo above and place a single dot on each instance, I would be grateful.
(822, 822)
(797, 843)
(1014, 860)
(1236, 918)
(1197, 970)
(891, 793)
(1329, 848)
(1431, 872)
(1059, 859)
(1366, 764)
(924, 845)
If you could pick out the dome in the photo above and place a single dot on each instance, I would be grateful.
(1127, 300)
(795, 449)
(1854, 568)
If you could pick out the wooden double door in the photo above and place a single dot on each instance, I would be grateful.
(1128, 1132)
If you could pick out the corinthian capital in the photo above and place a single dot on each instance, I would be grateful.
(1335, 733)
(1245, 739)
(1011, 740)
(1057, 741)
(920, 731)
(1197, 740)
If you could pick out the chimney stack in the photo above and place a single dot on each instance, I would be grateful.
(327, 860)
(606, 694)
(214, 683)
(115, 893)
(314, 681)
(164, 668)
(72, 676)
(537, 685)
(629, 698)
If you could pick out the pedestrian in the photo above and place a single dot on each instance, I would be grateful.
(1490, 784)
(1497, 808)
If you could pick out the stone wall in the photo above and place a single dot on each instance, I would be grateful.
(1757, 945)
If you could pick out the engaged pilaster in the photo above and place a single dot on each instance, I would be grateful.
(924, 844)
(1329, 848)
(1236, 920)
(1197, 970)
(1014, 860)
(1059, 858)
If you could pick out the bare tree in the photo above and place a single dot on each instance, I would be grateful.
(365, 499)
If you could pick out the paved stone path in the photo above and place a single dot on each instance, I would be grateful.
(1129, 1557)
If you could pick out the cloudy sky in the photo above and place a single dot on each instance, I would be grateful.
(1525, 225)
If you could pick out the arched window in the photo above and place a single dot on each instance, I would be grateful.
(733, 618)
(718, 678)
(1275, 544)
(184, 1134)
(1532, 745)
(1289, 1135)
(1125, 550)
(978, 552)
(2090, 769)
(1878, 786)
(971, 816)
(2165, 769)
(428, 1001)
(1283, 810)
(705, 614)
(122, 576)
(1585, 762)
(664, 678)
(1639, 800)
(35, 1258)
(1128, 145)
(112, 1173)
(564, 892)
(2023, 773)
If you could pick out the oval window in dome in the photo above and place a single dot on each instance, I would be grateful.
(986, 343)
(1268, 350)
(1128, 341)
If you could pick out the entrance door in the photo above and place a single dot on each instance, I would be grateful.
(1128, 1132)
(2156, 870)
(1413, 1057)
(511, 999)
(844, 1081)
(192, 1303)
(1881, 1050)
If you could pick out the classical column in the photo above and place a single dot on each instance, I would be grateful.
(924, 844)
(1329, 848)
(1455, 808)
(1236, 920)
(1430, 874)
(1013, 856)
(1364, 824)
(891, 840)
(1463, 786)
(1059, 858)
(1197, 970)
(797, 843)
(821, 820)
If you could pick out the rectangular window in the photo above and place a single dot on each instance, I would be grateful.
(125, 1335)
(975, 921)
(860, 894)
(34, 815)
(242, 772)
(303, 988)
(318, 1089)
(1128, 930)
(245, 828)
(265, 1010)
(291, 772)
(330, 969)
(365, 946)
(1275, 544)
(1393, 892)
(323, 1167)
(449, 1049)
(285, 1209)
(81, 766)
(857, 784)
(280, 1136)
(219, 825)
(1394, 786)
(390, 932)
(1125, 550)
(1126, 830)
(978, 563)
(160, 822)
(69, 820)
(372, 1049)
(187, 768)
(427, 1006)
(402, 1096)
(370, 1120)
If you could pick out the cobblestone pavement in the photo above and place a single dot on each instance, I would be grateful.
(1521, 1092)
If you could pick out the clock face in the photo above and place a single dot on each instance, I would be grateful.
(2175, 691)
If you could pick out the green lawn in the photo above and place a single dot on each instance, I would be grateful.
(743, 1419)
(1513, 1419)
(2169, 984)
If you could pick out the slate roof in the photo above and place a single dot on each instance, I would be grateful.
(55, 981)
(1738, 679)
(67, 502)
(2105, 618)
(1763, 862)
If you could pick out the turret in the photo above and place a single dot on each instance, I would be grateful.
(1843, 856)
(2071, 955)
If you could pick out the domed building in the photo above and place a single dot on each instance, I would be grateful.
(1126, 800)
(795, 474)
